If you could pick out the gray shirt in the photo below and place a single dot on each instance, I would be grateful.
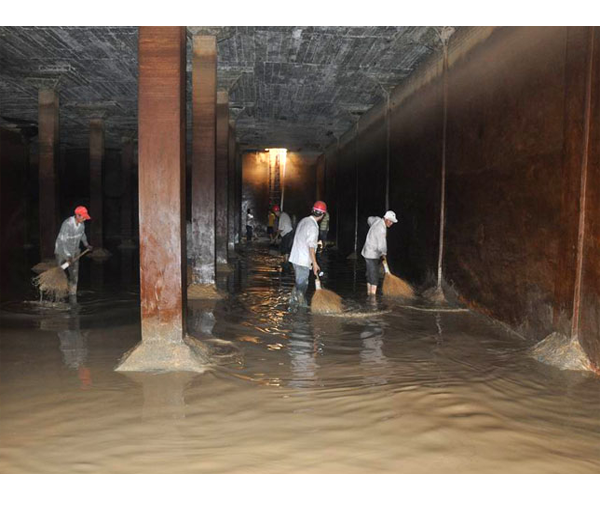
(71, 234)
(375, 244)
(285, 223)
(307, 235)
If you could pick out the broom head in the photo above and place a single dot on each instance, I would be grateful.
(53, 283)
(325, 301)
(393, 286)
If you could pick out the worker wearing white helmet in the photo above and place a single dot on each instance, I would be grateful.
(375, 247)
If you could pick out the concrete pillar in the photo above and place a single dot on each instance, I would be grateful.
(231, 187)
(238, 194)
(127, 197)
(161, 132)
(48, 165)
(222, 190)
(96, 166)
(204, 102)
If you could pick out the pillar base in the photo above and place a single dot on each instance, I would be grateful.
(44, 265)
(559, 351)
(163, 357)
(435, 295)
(100, 253)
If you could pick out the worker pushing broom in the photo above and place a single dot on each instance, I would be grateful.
(303, 257)
(374, 250)
(66, 250)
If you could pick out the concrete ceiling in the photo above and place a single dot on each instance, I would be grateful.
(293, 87)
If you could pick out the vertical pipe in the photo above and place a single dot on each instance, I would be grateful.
(356, 190)
(583, 191)
(443, 175)
(387, 156)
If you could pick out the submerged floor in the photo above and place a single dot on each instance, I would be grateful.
(404, 391)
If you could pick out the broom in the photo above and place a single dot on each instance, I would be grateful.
(53, 282)
(325, 301)
(393, 286)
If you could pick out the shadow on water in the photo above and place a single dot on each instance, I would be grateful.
(399, 388)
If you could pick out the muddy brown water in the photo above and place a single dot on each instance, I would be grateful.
(404, 390)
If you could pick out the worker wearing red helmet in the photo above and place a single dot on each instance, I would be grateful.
(66, 247)
(286, 230)
(303, 256)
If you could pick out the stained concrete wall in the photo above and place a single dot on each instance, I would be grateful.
(300, 185)
(514, 160)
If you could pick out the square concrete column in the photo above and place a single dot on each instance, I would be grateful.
(204, 104)
(222, 179)
(238, 194)
(48, 164)
(127, 196)
(96, 195)
(231, 187)
(161, 132)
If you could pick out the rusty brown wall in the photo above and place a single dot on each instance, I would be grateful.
(505, 148)
(300, 185)
(514, 154)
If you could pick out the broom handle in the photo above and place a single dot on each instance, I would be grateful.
(386, 267)
(317, 283)
(74, 259)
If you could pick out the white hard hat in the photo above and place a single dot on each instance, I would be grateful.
(390, 215)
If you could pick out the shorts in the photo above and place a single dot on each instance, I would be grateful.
(269, 230)
(372, 271)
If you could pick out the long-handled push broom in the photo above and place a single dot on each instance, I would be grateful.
(325, 301)
(393, 286)
(53, 282)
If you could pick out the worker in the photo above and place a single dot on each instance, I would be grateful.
(249, 223)
(271, 224)
(375, 247)
(303, 254)
(66, 248)
(286, 231)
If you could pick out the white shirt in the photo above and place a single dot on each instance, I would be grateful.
(307, 235)
(376, 243)
(284, 224)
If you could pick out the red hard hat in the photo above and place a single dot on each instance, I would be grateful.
(82, 211)
(320, 206)
(276, 208)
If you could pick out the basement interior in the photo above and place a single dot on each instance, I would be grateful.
(333, 249)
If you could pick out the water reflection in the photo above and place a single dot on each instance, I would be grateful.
(303, 349)
(164, 398)
(372, 357)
